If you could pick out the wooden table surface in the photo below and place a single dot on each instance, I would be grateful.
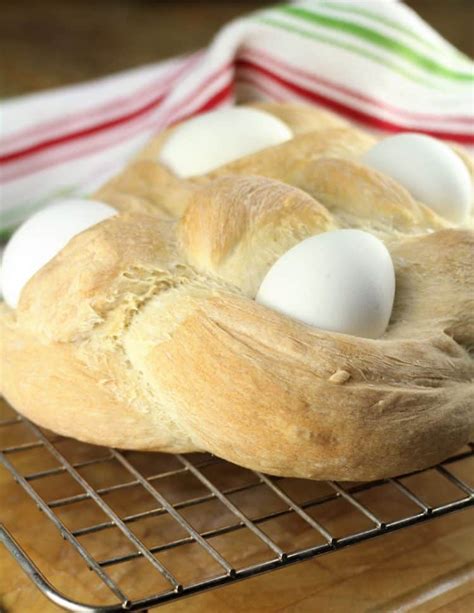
(426, 568)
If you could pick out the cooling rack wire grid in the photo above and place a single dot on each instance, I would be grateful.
(188, 523)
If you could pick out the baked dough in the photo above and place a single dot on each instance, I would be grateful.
(142, 333)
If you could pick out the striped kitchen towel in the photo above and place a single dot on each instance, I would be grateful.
(376, 63)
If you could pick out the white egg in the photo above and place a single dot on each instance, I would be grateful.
(343, 281)
(41, 237)
(428, 169)
(212, 139)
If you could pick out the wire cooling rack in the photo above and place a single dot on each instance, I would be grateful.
(212, 522)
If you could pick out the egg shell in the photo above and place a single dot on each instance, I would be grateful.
(41, 237)
(212, 139)
(343, 281)
(428, 169)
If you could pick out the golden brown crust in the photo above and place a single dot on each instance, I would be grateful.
(96, 270)
(284, 414)
(147, 187)
(235, 227)
(143, 332)
(55, 388)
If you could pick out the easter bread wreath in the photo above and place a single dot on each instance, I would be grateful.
(143, 331)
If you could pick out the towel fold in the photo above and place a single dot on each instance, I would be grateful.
(377, 63)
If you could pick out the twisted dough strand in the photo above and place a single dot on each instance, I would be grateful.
(143, 332)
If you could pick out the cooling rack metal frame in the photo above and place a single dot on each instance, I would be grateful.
(278, 557)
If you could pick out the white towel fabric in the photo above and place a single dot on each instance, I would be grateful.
(377, 63)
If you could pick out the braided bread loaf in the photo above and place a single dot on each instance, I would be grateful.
(143, 332)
